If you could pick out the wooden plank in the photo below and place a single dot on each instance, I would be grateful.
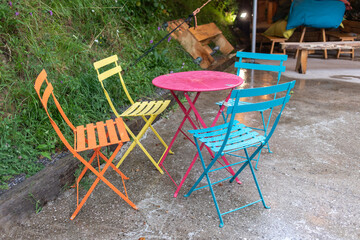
(206, 31)
(223, 43)
(321, 45)
(195, 49)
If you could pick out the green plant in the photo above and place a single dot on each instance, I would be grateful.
(36, 202)
(65, 38)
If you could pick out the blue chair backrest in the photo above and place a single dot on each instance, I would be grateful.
(250, 107)
(273, 66)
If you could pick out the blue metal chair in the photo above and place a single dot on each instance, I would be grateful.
(231, 137)
(274, 64)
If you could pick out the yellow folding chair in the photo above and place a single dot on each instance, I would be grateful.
(89, 137)
(147, 110)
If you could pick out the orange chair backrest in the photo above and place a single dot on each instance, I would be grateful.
(44, 97)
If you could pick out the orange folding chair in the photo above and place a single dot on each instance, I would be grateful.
(89, 137)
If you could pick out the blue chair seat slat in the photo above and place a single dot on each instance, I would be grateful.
(198, 132)
(244, 144)
(233, 138)
(240, 145)
(220, 135)
(202, 133)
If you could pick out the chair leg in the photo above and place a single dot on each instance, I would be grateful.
(205, 173)
(215, 201)
(256, 182)
(160, 139)
(265, 129)
(272, 47)
(158, 135)
(100, 176)
(206, 169)
(136, 141)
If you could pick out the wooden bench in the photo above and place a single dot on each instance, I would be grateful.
(306, 48)
(273, 40)
(342, 36)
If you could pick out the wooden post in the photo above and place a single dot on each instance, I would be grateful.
(301, 40)
(324, 40)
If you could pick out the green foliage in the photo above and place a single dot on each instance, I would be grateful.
(65, 38)
(36, 202)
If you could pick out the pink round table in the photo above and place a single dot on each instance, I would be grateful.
(195, 81)
(198, 81)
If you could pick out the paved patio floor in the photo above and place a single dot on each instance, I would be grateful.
(311, 180)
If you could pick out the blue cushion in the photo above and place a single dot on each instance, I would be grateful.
(316, 13)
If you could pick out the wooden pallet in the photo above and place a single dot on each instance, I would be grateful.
(196, 40)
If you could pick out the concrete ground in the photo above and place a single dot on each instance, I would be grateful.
(310, 181)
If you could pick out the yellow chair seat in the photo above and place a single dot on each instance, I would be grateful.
(146, 108)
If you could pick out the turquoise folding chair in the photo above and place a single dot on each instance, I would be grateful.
(231, 137)
(274, 63)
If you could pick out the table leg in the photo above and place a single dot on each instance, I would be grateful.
(187, 113)
(301, 63)
(202, 123)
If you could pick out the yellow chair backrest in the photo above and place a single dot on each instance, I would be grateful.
(108, 73)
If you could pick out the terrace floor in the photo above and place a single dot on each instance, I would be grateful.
(311, 180)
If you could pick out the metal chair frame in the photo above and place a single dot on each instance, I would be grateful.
(89, 137)
(233, 136)
(148, 111)
(276, 64)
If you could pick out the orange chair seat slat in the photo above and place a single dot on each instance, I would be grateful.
(121, 129)
(91, 135)
(100, 126)
(112, 132)
(80, 138)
